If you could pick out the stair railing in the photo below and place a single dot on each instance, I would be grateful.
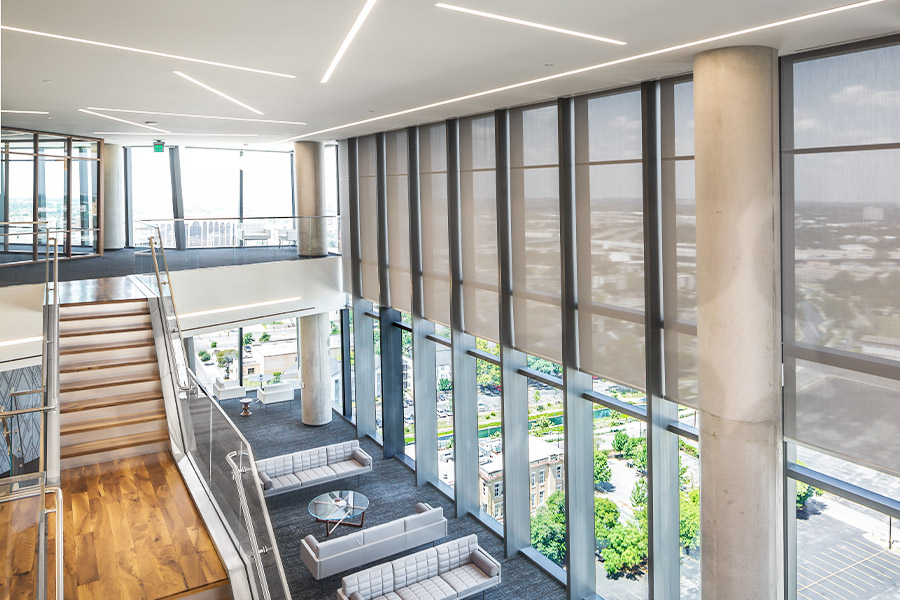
(209, 439)
(27, 485)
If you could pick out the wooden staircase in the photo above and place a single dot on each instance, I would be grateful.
(111, 401)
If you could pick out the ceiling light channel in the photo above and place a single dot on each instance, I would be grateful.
(191, 116)
(488, 15)
(25, 112)
(142, 51)
(217, 92)
(90, 112)
(357, 24)
(619, 61)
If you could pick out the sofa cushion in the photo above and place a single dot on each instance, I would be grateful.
(282, 481)
(315, 475)
(414, 568)
(309, 459)
(312, 543)
(278, 465)
(345, 467)
(266, 480)
(338, 452)
(361, 457)
(466, 578)
(340, 544)
(484, 564)
(433, 588)
(356, 596)
(371, 583)
(382, 532)
(389, 596)
(455, 553)
(421, 507)
(420, 520)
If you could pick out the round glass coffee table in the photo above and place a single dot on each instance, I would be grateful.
(337, 508)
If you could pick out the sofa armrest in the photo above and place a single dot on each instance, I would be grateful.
(266, 481)
(362, 458)
(422, 507)
(485, 562)
(356, 596)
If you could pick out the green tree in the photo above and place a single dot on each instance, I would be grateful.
(335, 328)
(804, 493)
(639, 493)
(265, 337)
(544, 366)
(542, 425)
(486, 374)
(606, 516)
(620, 441)
(639, 456)
(548, 529)
(445, 384)
(276, 376)
(689, 519)
(248, 339)
(213, 344)
(536, 398)
(627, 548)
(204, 356)
(602, 470)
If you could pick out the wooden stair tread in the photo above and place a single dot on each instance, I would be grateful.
(108, 401)
(108, 422)
(85, 348)
(109, 315)
(105, 330)
(91, 384)
(96, 365)
(105, 301)
(116, 443)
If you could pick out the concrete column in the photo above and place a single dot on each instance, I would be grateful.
(309, 182)
(738, 325)
(315, 369)
(113, 197)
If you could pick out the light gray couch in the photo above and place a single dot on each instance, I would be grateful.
(455, 569)
(289, 472)
(326, 558)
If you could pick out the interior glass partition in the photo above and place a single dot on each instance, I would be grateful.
(54, 179)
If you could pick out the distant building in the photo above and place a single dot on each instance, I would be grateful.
(546, 474)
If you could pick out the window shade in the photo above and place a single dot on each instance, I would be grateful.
(478, 193)
(534, 195)
(610, 234)
(397, 164)
(368, 219)
(435, 232)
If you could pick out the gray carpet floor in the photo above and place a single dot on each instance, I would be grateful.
(392, 493)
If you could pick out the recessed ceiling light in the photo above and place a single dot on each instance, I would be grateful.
(150, 123)
(626, 59)
(216, 92)
(25, 112)
(90, 112)
(170, 133)
(142, 51)
(192, 116)
(488, 15)
(46, 80)
(354, 29)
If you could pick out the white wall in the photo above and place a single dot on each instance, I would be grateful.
(21, 317)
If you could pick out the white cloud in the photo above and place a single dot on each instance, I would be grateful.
(863, 95)
(626, 124)
(807, 124)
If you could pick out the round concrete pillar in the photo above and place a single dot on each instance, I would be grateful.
(315, 369)
(739, 322)
(309, 160)
(113, 197)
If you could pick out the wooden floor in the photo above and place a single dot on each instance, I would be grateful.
(91, 291)
(132, 531)
(19, 549)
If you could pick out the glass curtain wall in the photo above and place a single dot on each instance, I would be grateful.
(490, 431)
(52, 178)
(335, 361)
(841, 286)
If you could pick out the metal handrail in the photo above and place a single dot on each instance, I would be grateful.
(41, 582)
(237, 472)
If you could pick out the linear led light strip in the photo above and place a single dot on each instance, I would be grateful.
(169, 114)
(25, 112)
(216, 92)
(238, 307)
(21, 341)
(592, 67)
(488, 15)
(171, 134)
(357, 24)
(142, 51)
(90, 112)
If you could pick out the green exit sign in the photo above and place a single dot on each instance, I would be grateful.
(159, 146)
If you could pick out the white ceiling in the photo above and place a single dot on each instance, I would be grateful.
(408, 53)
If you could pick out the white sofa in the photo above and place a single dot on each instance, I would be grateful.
(289, 472)
(455, 569)
(329, 557)
(275, 392)
(227, 389)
